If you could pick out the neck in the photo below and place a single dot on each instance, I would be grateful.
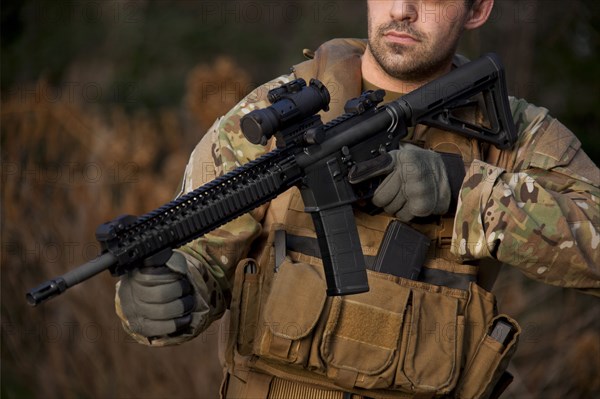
(372, 72)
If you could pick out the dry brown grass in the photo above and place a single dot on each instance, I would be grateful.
(67, 168)
(212, 88)
(559, 351)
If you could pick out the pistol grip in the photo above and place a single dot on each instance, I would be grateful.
(341, 252)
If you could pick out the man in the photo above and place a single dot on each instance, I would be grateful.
(533, 206)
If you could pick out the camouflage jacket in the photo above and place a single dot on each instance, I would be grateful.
(535, 206)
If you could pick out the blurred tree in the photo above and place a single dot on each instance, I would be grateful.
(551, 50)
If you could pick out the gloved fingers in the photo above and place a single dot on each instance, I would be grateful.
(154, 270)
(165, 311)
(154, 320)
(421, 187)
(424, 196)
(159, 328)
(417, 164)
(397, 203)
(183, 322)
(444, 193)
(387, 190)
(163, 293)
(154, 276)
(177, 263)
(404, 214)
(417, 187)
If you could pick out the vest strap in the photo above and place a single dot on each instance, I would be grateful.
(310, 247)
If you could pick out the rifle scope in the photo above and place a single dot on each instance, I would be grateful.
(292, 102)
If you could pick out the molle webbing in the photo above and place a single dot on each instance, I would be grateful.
(284, 389)
(262, 386)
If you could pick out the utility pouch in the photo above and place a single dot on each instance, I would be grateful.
(401, 337)
(252, 279)
(485, 368)
(291, 313)
(362, 344)
(250, 297)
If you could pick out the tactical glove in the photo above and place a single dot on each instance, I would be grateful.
(158, 299)
(418, 183)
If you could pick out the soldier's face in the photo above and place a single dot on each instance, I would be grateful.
(413, 40)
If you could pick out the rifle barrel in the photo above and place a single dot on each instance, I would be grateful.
(58, 285)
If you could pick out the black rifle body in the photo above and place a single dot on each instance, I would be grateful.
(314, 157)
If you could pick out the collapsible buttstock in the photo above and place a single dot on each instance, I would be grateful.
(434, 103)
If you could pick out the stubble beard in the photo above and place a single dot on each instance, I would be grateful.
(409, 63)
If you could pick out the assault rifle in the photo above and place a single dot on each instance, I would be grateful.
(323, 160)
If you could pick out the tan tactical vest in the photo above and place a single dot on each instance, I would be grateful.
(403, 338)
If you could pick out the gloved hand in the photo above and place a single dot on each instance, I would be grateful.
(418, 184)
(157, 299)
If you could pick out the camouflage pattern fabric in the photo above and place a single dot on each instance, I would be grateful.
(538, 208)
(535, 207)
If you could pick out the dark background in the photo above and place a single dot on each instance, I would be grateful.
(102, 102)
(550, 47)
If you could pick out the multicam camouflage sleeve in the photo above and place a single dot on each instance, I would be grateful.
(538, 208)
(212, 259)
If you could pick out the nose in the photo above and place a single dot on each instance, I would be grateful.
(404, 10)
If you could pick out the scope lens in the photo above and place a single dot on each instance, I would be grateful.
(259, 125)
(252, 129)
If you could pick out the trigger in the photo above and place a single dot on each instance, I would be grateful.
(380, 165)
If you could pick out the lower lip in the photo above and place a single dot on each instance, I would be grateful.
(400, 39)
